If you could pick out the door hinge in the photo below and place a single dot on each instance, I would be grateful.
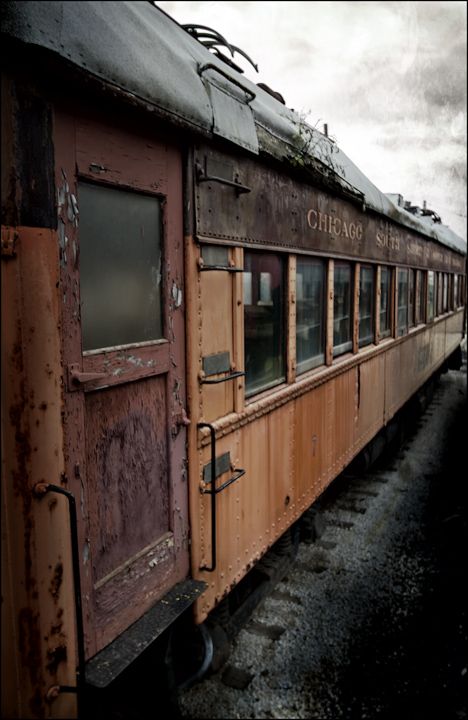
(9, 238)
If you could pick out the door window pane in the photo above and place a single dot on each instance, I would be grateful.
(402, 324)
(342, 308)
(264, 325)
(385, 305)
(366, 306)
(120, 267)
(310, 289)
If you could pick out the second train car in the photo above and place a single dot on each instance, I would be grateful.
(208, 312)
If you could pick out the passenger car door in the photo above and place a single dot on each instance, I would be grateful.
(120, 224)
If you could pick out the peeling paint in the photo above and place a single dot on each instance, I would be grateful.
(176, 295)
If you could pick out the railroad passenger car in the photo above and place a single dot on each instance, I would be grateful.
(208, 312)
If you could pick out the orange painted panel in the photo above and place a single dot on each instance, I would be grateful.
(216, 322)
(370, 408)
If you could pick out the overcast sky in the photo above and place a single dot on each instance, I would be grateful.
(389, 79)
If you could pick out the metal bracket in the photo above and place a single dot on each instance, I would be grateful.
(77, 379)
(231, 376)
(226, 268)
(203, 177)
(9, 238)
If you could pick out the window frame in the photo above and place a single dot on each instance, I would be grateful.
(347, 346)
(318, 359)
(252, 392)
(402, 329)
(368, 339)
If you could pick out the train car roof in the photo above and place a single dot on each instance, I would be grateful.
(137, 47)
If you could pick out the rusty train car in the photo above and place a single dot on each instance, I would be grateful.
(208, 312)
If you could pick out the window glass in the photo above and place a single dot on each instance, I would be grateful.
(310, 293)
(455, 291)
(402, 316)
(420, 276)
(342, 308)
(445, 300)
(411, 289)
(440, 292)
(215, 255)
(120, 267)
(430, 295)
(264, 325)
(385, 304)
(366, 305)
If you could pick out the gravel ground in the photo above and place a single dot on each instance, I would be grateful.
(371, 621)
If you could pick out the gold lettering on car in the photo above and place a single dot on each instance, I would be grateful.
(333, 225)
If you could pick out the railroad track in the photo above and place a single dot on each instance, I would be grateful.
(320, 644)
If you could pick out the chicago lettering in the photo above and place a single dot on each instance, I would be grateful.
(333, 225)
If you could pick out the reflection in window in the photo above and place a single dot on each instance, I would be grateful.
(342, 309)
(385, 305)
(411, 291)
(120, 267)
(440, 292)
(402, 323)
(264, 324)
(310, 289)
(430, 295)
(420, 276)
(366, 305)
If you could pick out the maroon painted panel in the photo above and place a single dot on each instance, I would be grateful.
(124, 406)
(126, 455)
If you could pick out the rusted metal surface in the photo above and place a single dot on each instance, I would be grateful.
(285, 214)
(125, 406)
(38, 583)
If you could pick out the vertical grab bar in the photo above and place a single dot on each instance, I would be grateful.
(41, 489)
(214, 491)
(213, 497)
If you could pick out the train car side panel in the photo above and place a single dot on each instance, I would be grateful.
(38, 594)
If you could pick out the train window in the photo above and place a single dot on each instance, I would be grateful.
(385, 303)
(310, 295)
(411, 293)
(366, 305)
(215, 255)
(440, 292)
(402, 316)
(420, 294)
(342, 308)
(431, 295)
(120, 267)
(264, 326)
(455, 291)
(445, 298)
